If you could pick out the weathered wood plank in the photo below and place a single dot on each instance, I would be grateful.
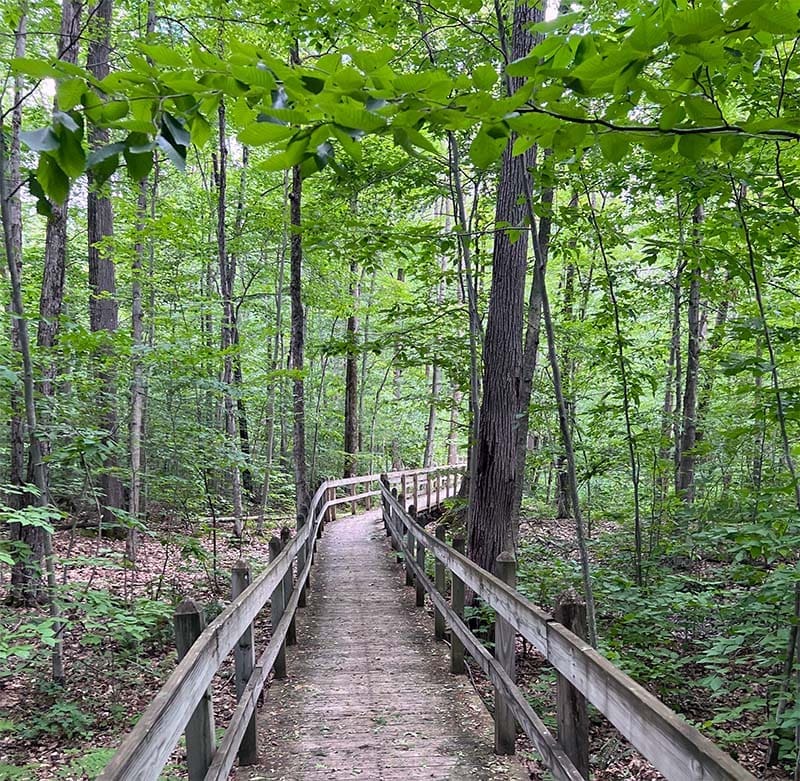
(674, 747)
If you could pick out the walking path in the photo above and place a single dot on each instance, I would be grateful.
(369, 693)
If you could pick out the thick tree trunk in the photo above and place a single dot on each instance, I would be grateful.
(686, 481)
(452, 434)
(491, 530)
(103, 305)
(530, 353)
(297, 345)
(351, 422)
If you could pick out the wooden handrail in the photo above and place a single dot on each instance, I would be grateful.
(147, 747)
(674, 747)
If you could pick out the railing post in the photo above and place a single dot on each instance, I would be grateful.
(244, 662)
(353, 507)
(276, 611)
(438, 488)
(428, 492)
(457, 601)
(368, 500)
(301, 555)
(573, 722)
(332, 509)
(420, 596)
(288, 587)
(505, 727)
(404, 490)
(398, 530)
(438, 618)
(409, 551)
(200, 735)
(416, 491)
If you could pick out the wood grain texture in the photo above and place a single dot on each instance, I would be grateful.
(369, 693)
(674, 747)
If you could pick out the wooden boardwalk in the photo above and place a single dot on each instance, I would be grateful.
(369, 693)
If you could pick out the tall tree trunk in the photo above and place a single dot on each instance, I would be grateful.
(686, 477)
(491, 530)
(530, 353)
(275, 362)
(103, 305)
(351, 422)
(25, 580)
(297, 344)
(397, 456)
(34, 451)
(452, 434)
(430, 428)
(138, 385)
(227, 277)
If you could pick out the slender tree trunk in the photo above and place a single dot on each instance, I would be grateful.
(491, 529)
(452, 434)
(276, 359)
(686, 481)
(397, 456)
(297, 345)
(351, 422)
(34, 451)
(138, 384)
(430, 428)
(25, 580)
(227, 277)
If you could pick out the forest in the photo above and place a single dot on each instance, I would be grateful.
(248, 247)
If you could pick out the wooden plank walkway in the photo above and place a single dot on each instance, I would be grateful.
(369, 693)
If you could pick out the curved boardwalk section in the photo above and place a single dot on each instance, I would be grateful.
(369, 694)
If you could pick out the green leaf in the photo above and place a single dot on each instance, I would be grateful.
(69, 93)
(354, 117)
(164, 55)
(485, 149)
(43, 140)
(53, 180)
(694, 146)
(259, 133)
(138, 154)
(104, 161)
(484, 77)
(43, 206)
(614, 146)
(37, 69)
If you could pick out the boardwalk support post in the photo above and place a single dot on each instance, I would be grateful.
(505, 728)
(409, 552)
(288, 587)
(573, 721)
(301, 557)
(439, 582)
(244, 661)
(276, 611)
(420, 595)
(200, 734)
(457, 600)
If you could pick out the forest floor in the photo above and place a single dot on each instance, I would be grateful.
(117, 646)
(118, 641)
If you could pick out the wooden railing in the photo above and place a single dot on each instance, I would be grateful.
(184, 704)
(675, 748)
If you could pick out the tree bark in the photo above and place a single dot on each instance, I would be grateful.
(686, 477)
(351, 422)
(297, 344)
(227, 277)
(103, 305)
(491, 530)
